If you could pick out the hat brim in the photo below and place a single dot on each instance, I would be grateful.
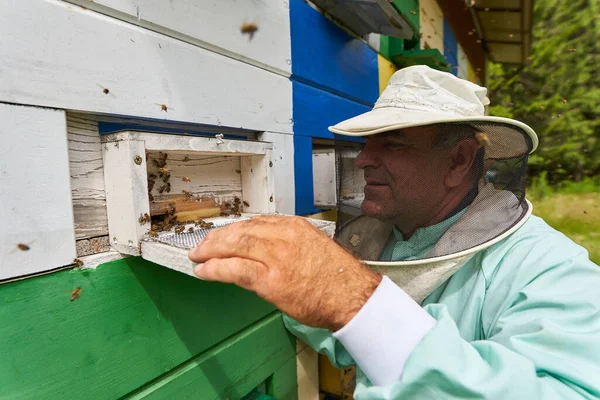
(385, 119)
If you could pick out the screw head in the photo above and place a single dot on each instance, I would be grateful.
(137, 160)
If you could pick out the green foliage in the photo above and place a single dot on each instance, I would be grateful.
(558, 93)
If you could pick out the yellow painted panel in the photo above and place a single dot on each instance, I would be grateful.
(386, 70)
(471, 73)
(330, 215)
(337, 382)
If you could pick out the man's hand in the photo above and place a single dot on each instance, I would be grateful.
(292, 265)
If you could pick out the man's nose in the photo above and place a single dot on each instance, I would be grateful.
(366, 158)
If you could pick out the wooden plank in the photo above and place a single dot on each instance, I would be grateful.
(283, 170)
(87, 177)
(432, 25)
(307, 364)
(36, 206)
(231, 369)
(463, 64)
(203, 176)
(219, 31)
(327, 56)
(283, 383)
(126, 194)
(450, 47)
(257, 184)
(132, 322)
(142, 70)
(191, 143)
(324, 182)
(315, 110)
(386, 70)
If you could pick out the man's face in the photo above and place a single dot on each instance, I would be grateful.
(404, 175)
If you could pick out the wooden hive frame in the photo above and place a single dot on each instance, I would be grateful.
(126, 157)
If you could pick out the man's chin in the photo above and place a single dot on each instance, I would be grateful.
(375, 210)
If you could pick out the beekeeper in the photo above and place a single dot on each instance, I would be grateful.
(440, 283)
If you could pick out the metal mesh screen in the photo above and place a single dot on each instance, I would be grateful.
(369, 214)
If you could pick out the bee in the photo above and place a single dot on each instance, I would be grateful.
(482, 139)
(154, 227)
(164, 156)
(162, 189)
(236, 200)
(166, 177)
(413, 12)
(190, 229)
(147, 217)
(152, 177)
(152, 234)
(75, 293)
(186, 193)
(163, 170)
(150, 197)
(78, 262)
(249, 29)
(142, 220)
(156, 163)
(237, 215)
(150, 185)
(186, 159)
(167, 227)
(163, 107)
(23, 247)
(168, 187)
(246, 204)
(199, 221)
(170, 209)
(106, 91)
(185, 179)
(224, 214)
(179, 229)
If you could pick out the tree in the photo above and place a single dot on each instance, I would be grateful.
(558, 93)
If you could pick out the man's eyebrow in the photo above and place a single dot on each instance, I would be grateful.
(393, 135)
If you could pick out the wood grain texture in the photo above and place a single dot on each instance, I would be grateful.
(35, 200)
(219, 27)
(210, 176)
(87, 176)
(232, 368)
(142, 70)
(131, 324)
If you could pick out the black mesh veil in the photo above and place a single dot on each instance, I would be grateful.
(494, 206)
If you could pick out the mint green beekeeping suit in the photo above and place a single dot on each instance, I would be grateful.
(520, 320)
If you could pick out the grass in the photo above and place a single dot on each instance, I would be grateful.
(577, 215)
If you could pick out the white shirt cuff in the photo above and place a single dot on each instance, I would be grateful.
(384, 332)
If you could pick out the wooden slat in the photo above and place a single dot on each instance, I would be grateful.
(143, 70)
(214, 25)
(231, 369)
(432, 25)
(87, 177)
(133, 322)
(35, 200)
(283, 170)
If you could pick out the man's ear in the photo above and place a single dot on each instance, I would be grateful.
(462, 158)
